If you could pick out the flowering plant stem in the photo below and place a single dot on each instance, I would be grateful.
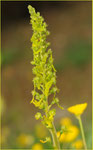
(53, 133)
(55, 139)
(82, 132)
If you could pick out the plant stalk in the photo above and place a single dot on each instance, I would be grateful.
(82, 132)
(56, 144)
(55, 139)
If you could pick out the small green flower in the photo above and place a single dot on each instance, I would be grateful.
(38, 115)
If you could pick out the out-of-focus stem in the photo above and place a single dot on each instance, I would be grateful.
(82, 132)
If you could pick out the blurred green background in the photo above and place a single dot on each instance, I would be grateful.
(70, 25)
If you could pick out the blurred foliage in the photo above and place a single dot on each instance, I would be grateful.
(10, 55)
(71, 138)
(23, 140)
(77, 54)
(16, 138)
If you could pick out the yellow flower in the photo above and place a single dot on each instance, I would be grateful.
(37, 146)
(65, 121)
(58, 134)
(41, 131)
(70, 135)
(78, 144)
(25, 140)
(77, 109)
(62, 137)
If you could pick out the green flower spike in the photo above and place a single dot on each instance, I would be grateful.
(44, 73)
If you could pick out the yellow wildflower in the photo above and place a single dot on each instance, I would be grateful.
(78, 144)
(41, 131)
(77, 109)
(70, 135)
(65, 121)
(62, 137)
(58, 134)
(25, 140)
(37, 146)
